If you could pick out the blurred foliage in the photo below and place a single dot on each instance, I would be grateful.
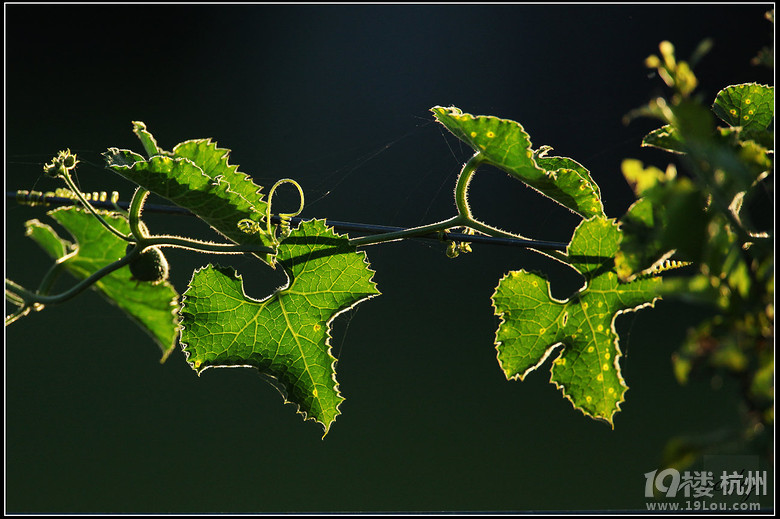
(717, 217)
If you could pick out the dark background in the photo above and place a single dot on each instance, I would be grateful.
(337, 97)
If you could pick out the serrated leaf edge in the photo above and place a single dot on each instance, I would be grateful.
(454, 111)
(553, 347)
(726, 89)
(502, 320)
(278, 385)
(615, 364)
(232, 167)
(216, 182)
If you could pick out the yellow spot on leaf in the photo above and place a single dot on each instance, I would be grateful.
(600, 328)
(733, 112)
(584, 306)
(542, 330)
(606, 355)
(605, 367)
(317, 327)
(600, 377)
(588, 398)
(590, 349)
(611, 390)
(473, 134)
(747, 101)
(315, 392)
(490, 135)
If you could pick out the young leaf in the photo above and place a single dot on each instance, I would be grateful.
(197, 176)
(533, 323)
(152, 307)
(506, 145)
(669, 218)
(286, 335)
(665, 138)
(748, 105)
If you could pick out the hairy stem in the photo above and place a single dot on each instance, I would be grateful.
(464, 210)
(462, 187)
(134, 217)
(496, 233)
(88, 206)
(203, 246)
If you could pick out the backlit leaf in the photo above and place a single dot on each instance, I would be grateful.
(197, 176)
(748, 105)
(505, 144)
(534, 324)
(152, 307)
(285, 335)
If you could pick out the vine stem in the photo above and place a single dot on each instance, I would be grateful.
(134, 216)
(31, 297)
(71, 185)
(203, 246)
(26, 197)
(464, 218)
(18, 314)
(455, 221)
(462, 187)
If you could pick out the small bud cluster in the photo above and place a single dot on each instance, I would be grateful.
(64, 162)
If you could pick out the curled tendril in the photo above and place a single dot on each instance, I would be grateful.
(249, 226)
(284, 226)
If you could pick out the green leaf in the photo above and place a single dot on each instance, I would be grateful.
(666, 138)
(213, 161)
(533, 323)
(197, 176)
(47, 238)
(505, 144)
(669, 218)
(152, 307)
(748, 105)
(286, 335)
